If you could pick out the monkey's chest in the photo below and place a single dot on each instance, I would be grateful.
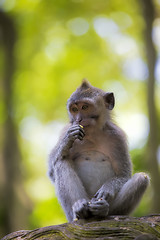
(94, 169)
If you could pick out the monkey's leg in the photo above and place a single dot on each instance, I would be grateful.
(70, 191)
(129, 195)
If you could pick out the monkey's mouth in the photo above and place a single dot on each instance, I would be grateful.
(87, 122)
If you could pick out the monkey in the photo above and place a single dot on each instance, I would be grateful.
(90, 166)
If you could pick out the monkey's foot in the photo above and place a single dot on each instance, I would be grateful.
(99, 207)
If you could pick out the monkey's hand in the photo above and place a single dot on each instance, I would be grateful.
(73, 133)
(105, 193)
(80, 209)
(98, 207)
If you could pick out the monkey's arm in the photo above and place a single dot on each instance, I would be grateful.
(69, 187)
(109, 189)
(70, 190)
(61, 150)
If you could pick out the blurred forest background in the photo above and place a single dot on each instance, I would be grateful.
(46, 49)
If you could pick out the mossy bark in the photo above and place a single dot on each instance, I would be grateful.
(114, 227)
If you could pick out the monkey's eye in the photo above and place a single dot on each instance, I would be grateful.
(84, 107)
(74, 109)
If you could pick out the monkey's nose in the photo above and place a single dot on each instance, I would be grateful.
(78, 119)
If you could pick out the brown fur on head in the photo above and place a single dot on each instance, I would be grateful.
(87, 91)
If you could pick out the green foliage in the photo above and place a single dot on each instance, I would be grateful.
(47, 213)
(58, 44)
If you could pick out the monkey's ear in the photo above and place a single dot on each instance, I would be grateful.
(109, 100)
(85, 84)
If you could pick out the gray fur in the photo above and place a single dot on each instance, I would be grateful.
(91, 166)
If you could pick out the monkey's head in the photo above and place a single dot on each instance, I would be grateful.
(90, 106)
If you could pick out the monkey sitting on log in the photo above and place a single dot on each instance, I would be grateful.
(90, 165)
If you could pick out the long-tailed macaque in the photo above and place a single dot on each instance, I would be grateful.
(90, 165)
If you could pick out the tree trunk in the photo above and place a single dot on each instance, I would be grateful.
(12, 197)
(149, 15)
(114, 227)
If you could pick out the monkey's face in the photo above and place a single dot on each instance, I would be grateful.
(89, 106)
(85, 113)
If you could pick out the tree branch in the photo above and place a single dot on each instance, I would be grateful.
(114, 227)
